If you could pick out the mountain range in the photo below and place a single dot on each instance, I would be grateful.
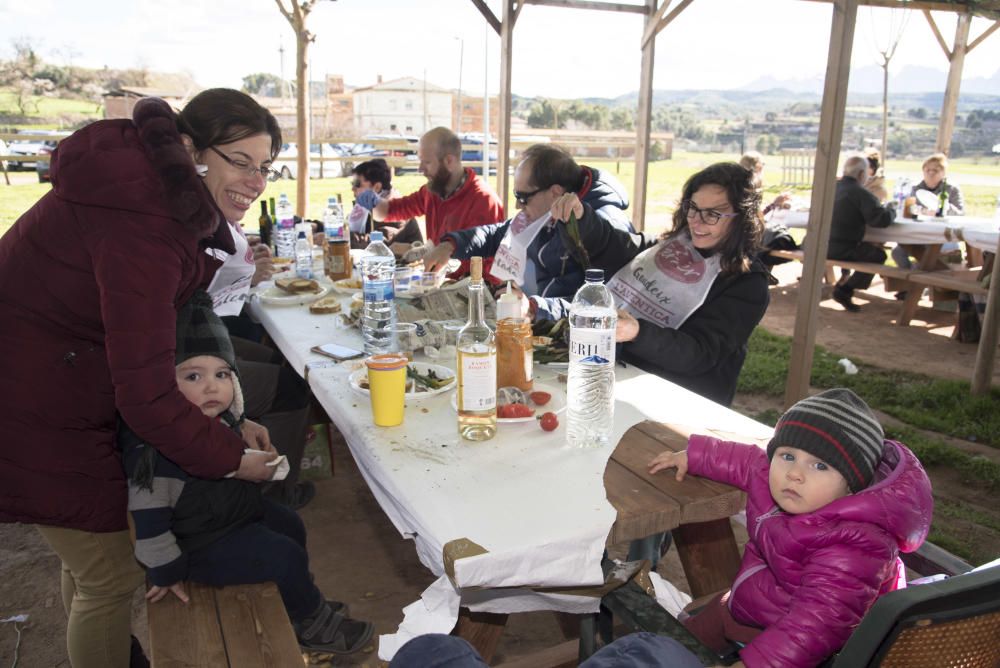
(868, 79)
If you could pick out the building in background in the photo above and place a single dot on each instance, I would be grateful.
(408, 106)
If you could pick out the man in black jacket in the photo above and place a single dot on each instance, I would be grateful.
(854, 208)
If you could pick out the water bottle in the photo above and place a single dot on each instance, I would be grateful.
(590, 393)
(378, 267)
(333, 220)
(284, 237)
(303, 257)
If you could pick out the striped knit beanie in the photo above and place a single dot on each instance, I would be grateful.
(201, 332)
(838, 427)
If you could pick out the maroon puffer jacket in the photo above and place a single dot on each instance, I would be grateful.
(809, 579)
(90, 278)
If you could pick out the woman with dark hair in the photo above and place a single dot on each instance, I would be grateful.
(690, 298)
(375, 175)
(90, 281)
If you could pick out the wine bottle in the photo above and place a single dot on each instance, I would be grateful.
(477, 367)
(943, 200)
(264, 225)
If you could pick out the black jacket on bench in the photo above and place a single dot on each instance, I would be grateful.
(854, 209)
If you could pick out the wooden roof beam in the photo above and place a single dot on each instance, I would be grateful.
(986, 33)
(925, 5)
(937, 34)
(487, 14)
(653, 28)
(582, 4)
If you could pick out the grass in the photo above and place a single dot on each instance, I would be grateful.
(48, 107)
(944, 406)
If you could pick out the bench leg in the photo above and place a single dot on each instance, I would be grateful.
(588, 636)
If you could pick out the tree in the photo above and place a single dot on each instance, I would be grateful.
(21, 74)
(919, 113)
(262, 83)
(897, 24)
(296, 17)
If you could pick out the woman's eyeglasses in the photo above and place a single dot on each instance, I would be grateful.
(523, 197)
(268, 173)
(708, 216)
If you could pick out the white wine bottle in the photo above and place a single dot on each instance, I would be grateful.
(477, 367)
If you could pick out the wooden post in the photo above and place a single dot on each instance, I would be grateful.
(946, 126)
(986, 354)
(642, 120)
(506, 53)
(831, 127)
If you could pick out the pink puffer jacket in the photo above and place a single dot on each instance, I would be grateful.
(809, 579)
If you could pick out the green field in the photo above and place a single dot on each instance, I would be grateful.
(51, 108)
(666, 177)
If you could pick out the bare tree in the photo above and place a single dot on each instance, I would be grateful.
(297, 16)
(898, 18)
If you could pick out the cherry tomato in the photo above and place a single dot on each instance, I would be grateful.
(520, 410)
(549, 422)
(540, 398)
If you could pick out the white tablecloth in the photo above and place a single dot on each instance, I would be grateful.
(982, 233)
(537, 506)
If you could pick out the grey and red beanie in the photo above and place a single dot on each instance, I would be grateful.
(838, 427)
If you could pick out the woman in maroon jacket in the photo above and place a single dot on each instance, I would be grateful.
(90, 278)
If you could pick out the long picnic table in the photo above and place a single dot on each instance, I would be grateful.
(521, 522)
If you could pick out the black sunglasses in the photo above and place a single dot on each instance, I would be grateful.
(355, 184)
(522, 197)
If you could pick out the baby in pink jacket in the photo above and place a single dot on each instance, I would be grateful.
(830, 505)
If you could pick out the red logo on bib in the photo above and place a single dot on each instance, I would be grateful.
(680, 262)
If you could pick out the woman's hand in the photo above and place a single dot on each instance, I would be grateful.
(399, 249)
(257, 437)
(782, 201)
(263, 263)
(439, 256)
(254, 468)
(627, 328)
(157, 593)
(564, 204)
(669, 460)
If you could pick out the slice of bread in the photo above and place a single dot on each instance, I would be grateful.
(295, 285)
(330, 304)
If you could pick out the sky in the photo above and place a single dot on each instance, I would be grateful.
(561, 53)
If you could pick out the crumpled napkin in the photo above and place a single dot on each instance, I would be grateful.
(280, 462)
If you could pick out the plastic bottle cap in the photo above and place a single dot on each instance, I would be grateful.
(508, 306)
(375, 236)
(302, 234)
(594, 276)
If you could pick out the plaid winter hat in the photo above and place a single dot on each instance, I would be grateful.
(838, 427)
(201, 332)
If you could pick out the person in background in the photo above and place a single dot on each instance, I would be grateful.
(454, 198)
(876, 177)
(376, 175)
(776, 235)
(855, 209)
(91, 278)
(935, 170)
(754, 161)
(549, 262)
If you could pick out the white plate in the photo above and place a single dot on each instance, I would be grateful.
(275, 296)
(557, 404)
(346, 286)
(928, 200)
(421, 367)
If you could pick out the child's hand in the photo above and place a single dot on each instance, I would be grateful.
(666, 460)
(257, 437)
(157, 593)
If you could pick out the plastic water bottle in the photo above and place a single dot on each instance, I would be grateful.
(590, 393)
(303, 257)
(284, 237)
(333, 220)
(378, 267)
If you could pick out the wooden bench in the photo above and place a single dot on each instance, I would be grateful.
(242, 626)
(914, 280)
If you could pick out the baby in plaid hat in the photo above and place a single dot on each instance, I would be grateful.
(223, 532)
(830, 505)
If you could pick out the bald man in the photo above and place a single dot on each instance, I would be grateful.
(854, 209)
(454, 198)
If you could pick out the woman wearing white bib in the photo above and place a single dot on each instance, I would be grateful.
(690, 299)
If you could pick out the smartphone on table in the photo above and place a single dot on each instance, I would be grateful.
(338, 352)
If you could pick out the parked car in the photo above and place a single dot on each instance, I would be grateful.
(29, 148)
(409, 154)
(42, 166)
(287, 163)
(474, 158)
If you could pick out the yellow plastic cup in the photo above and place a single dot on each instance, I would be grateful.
(387, 387)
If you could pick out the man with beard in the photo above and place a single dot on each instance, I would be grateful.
(454, 198)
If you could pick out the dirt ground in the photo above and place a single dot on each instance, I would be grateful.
(357, 556)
